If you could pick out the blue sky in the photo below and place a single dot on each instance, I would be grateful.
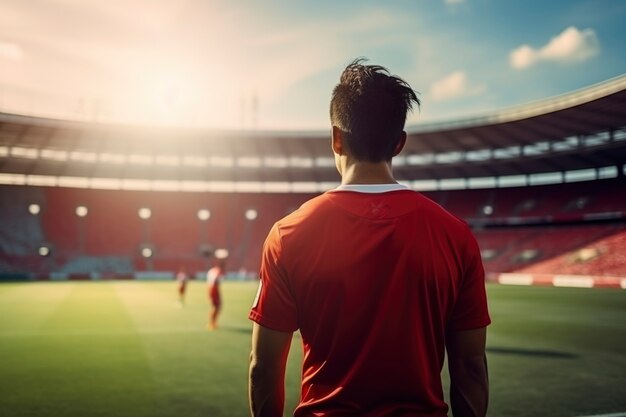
(273, 64)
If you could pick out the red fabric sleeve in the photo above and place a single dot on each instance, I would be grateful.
(470, 310)
(274, 306)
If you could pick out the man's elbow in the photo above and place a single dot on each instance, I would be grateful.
(255, 367)
(266, 397)
(260, 370)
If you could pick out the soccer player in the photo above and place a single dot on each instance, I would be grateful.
(214, 277)
(182, 278)
(379, 280)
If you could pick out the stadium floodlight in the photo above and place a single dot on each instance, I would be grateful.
(204, 214)
(83, 156)
(249, 186)
(146, 252)
(275, 162)
(54, 154)
(140, 159)
(304, 187)
(251, 214)
(112, 158)
(324, 161)
(167, 160)
(144, 213)
(249, 161)
(300, 162)
(44, 251)
(400, 160)
(81, 211)
(221, 253)
(19, 152)
(197, 161)
(34, 209)
(222, 161)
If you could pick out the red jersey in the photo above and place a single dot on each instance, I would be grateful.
(182, 279)
(372, 281)
(214, 277)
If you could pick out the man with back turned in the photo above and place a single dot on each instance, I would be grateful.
(379, 280)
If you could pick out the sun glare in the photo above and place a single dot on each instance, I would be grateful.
(166, 95)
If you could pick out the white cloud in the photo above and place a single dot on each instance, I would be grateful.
(571, 45)
(453, 86)
(454, 1)
(11, 51)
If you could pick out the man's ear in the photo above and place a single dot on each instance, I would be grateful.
(400, 144)
(337, 140)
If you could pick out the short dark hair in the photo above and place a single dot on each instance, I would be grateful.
(370, 105)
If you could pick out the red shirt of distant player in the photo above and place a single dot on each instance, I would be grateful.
(372, 280)
(182, 278)
(213, 278)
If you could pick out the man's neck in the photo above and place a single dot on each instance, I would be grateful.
(367, 173)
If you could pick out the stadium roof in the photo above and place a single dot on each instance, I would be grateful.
(585, 129)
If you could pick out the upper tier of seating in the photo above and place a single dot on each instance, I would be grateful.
(552, 202)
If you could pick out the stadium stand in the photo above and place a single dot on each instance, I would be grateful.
(599, 252)
(542, 185)
(19, 229)
(101, 265)
(536, 249)
(110, 237)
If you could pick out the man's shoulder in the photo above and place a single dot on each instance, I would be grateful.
(437, 210)
(306, 210)
(305, 217)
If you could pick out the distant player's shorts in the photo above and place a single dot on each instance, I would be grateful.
(181, 288)
(215, 298)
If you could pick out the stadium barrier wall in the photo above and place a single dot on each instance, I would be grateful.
(15, 277)
(138, 276)
(526, 279)
(556, 280)
(154, 276)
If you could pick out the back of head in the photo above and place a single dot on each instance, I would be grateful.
(369, 105)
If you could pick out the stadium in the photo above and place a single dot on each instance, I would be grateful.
(97, 217)
(542, 185)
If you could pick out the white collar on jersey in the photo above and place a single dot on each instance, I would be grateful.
(371, 188)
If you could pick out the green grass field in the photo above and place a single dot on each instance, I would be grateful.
(127, 349)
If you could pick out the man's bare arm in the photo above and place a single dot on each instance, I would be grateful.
(268, 360)
(467, 363)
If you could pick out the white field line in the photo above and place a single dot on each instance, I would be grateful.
(608, 415)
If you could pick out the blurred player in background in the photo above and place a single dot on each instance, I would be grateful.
(182, 277)
(379, 280)
(214, 278)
